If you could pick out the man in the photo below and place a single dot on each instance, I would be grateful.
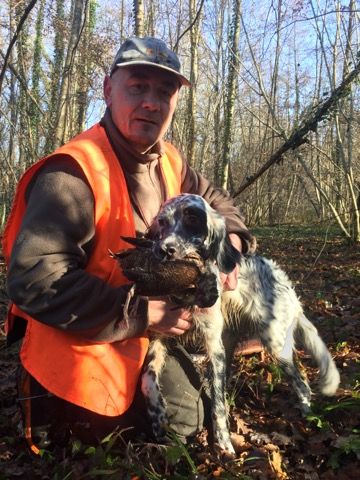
(80, 360)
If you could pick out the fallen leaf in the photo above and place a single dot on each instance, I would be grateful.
(276, 464)
(241, 426)
(239, 443)
(281, 439)
(218, 472)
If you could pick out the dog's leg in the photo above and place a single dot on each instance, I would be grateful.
(211, 322)
(280, 343)
(230, 340)
(156, 408)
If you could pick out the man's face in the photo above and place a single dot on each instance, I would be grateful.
(142, 100)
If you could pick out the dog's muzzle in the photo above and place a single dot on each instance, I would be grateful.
(166, 250)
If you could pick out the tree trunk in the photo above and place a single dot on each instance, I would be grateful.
(84, 67)
(63, 114)
(218, 122)
(35, 118)
(191, 114)
(231, 90)
(271, 181)
(138, 7)
(55, 76)
(24, 67)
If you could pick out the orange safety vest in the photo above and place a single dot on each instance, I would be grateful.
(100, 377)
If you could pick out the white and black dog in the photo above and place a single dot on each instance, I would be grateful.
(264, 304)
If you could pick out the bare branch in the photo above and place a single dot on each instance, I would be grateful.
(299, 134)
(22, 83)
(14, 38)
(190, 26)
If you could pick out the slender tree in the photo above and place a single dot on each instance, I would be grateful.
(56, 72)
(63, 112)
(34, 112)
(84, 66)
(233, 67)
(191, 111)
(219, 15)
(138, 7)
(24, 67)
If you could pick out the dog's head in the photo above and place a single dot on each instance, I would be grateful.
(187, 223)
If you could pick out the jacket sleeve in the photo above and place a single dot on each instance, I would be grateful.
(46, 275)
(220, 200)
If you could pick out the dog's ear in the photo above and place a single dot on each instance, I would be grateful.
(218, 243)
(153, 230)
(228, 256)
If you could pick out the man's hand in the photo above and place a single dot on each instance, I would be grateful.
(165, 318)
(230, 280)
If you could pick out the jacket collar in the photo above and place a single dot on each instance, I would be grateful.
(129, 156)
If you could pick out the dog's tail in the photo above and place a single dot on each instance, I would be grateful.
(316, 348)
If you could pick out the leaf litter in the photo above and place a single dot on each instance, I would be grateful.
(271, 439)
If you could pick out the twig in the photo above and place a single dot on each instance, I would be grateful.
(14, 38)
(190, 26)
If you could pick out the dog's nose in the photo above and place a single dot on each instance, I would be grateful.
(165, 250)
(170, 250)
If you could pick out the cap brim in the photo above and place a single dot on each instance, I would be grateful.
(183, 80)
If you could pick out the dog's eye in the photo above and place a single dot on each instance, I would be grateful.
(192, 218)
(191, 212)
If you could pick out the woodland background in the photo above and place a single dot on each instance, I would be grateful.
(275, 84)
(260, 71)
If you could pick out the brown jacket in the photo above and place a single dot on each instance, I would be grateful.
(46, 275)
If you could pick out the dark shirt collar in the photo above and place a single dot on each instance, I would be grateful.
(124, 150)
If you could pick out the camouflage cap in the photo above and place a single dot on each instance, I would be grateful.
(148, 51)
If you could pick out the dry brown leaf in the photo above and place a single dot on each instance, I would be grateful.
(281, 439)
(218, 472)
(239, 443)
(241, 426)
(276, 464)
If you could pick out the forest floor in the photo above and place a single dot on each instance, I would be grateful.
(271, 438)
